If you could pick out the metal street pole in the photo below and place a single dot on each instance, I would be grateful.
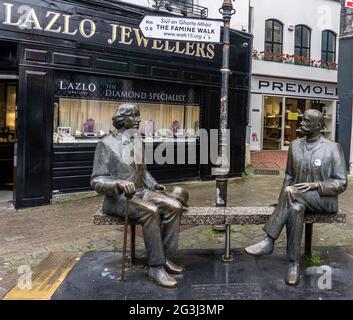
(223, 165)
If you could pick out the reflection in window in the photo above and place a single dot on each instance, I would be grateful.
(7, 112)
(80, 120)
(328, 51)
(302, 41)
(273, 40)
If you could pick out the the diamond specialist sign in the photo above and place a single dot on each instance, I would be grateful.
(182, 29)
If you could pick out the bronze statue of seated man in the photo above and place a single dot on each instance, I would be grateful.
(315, 175)
(119, 172)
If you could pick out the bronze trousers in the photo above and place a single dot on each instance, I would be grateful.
(160, 217)
(290, 213)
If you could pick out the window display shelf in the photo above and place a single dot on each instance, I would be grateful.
(145, 140)
(274, 117)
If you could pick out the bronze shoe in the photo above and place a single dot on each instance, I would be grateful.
(173, 268)
(161, 277)
(293, 275)
(264, 247)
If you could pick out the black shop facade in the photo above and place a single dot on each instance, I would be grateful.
(66, 67)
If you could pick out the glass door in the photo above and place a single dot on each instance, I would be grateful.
(272, 134)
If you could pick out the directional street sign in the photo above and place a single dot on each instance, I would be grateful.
(182, 29)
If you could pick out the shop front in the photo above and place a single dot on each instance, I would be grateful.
(277, 107)
(77, 61)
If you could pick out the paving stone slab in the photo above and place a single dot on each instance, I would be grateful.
(207, 277)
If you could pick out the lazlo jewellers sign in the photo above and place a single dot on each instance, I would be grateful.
(69, 24)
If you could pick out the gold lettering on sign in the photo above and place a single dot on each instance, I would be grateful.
(200, 50)
(168, 48)
(157, 45)
(140, 38)
(26, 17)
(31, 18)
(52, 22)
(125, 33)
(92, 28)
(8, 14)
(177, 48)
(67, 26)
(190, 49)
(114, 33)
(210, 51)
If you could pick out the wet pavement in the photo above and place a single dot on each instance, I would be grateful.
(28, 235)
(206, 277)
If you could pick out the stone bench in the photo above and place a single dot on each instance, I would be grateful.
(229, 216)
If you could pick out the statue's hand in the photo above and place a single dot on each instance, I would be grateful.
(307, 186)
(127, 187)
(159, 187)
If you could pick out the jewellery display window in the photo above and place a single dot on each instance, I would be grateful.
(83, 120)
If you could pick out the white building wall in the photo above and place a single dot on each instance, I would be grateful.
(318, 15)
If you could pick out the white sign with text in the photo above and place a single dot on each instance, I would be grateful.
(293, 87)
(182, 29)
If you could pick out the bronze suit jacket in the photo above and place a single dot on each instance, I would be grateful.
(112, 163)
(327, 166)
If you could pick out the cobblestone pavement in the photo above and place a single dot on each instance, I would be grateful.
(28, 235)
(269, 159)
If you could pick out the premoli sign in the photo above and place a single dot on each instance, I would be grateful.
(50, 21)
(291, 87)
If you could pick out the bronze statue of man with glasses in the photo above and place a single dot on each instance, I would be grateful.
(315, 175)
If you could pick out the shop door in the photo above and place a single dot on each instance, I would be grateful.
(8, 97)
(273, 123)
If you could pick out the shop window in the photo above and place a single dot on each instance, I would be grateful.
(7, 135)
(328, 50)
(273, 40)
(302, 41)
(80, 120)
(282, 121)
(7, 112)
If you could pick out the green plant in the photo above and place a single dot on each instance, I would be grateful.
(315, 260)
(215, 233)
(244, 174)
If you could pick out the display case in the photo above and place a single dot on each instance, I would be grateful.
(87, 121)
